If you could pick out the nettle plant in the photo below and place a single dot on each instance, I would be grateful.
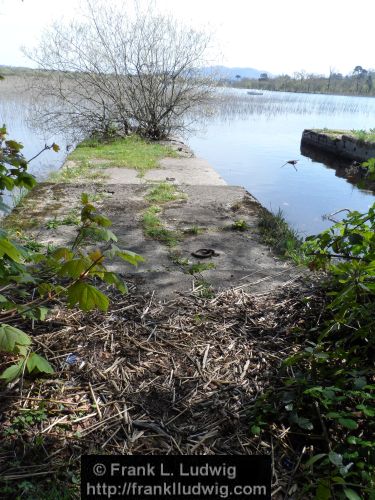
(31, 278)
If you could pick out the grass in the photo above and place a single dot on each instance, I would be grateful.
(361, 135)
(188, 267)
(154, 228)
(71, 219)
(129, 152)
(164, 192)
(240, 225)
(80, 170)
(276, 232)
(364, 135)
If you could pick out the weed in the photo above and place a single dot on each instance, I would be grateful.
(78, 170)
(72, 219)
(154, 228)
(189, 268)
(275, 232)
(240, 225)
(49, 489)
(364, 135)
(164, 192)
(200, 267)
(53, 223)
(26, 419)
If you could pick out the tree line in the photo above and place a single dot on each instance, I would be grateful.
(358, 82)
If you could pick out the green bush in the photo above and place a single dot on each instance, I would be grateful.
(326, 389)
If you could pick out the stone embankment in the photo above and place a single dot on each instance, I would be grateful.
(339, 143)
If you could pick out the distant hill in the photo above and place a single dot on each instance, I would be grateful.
(220, 72)
(231, 73)
(16, 70)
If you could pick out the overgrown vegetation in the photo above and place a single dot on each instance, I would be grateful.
(361, 135)
(128, 152)
(154, 227)
(276, 232)
(164, 192)
(78, 171)
(326, 391)
(364, 135)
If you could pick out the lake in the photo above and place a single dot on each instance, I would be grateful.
(247, 138)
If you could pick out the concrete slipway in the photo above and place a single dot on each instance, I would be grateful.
(208, 203)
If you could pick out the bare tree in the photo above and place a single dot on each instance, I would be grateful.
(138, 72)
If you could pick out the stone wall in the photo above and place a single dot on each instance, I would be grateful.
(341, 145)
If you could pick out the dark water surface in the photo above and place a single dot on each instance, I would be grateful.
(250, 137)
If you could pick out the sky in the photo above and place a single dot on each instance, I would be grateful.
(277, 36)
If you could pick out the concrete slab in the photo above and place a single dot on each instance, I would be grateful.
(204, 220)
(191, 171)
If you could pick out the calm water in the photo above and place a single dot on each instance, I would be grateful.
(250, 137)
(247, 139)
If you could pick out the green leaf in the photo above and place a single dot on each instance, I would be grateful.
(62, 253)
(41, 312)
(16, 146)
(113, 279)
(84, 198)
(55, 147)
(323, 491)
(25, 180)
(6, 247)
(11, 336)
(348, 423)
(255, 429)
(74, 268)
(351, 494)
(315, 458)
(369, 412)
(97, 233)
(335, 458)
(22, 350)
(302, 422)
(101, 220)
(333, 414)
(87, 296)
(338, 480)
(12, 372)
(131, 257)
(38, 363)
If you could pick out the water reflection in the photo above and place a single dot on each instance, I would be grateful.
(15, 102)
